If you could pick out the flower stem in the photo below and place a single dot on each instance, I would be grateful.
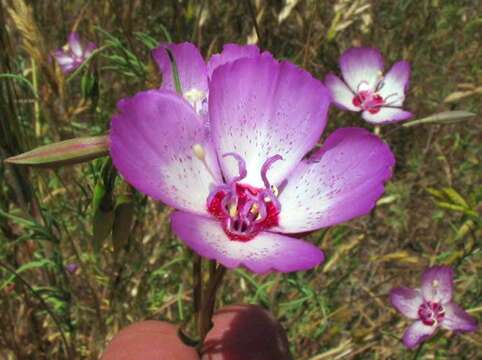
(209, 300)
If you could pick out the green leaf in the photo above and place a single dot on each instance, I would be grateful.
(175, 71)
(66, 152)
(446, 117)
(455, 197)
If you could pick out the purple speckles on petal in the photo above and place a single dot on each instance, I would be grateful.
(151, 146)
(266, 252)
(233, 167)
(259, 107)
(341, 181)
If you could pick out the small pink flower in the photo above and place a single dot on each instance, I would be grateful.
(431, 307)
(366, 89)
(72, 268)
(74, 53)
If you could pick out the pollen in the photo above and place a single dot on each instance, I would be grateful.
(199, 151)
(233, 209)
(435, 283)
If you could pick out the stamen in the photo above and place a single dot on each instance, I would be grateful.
(233, 209)
(241, 166)
(363, 82)
(264, 169)
(394, 100)
(200, 153)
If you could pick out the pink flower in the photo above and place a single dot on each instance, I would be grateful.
(74, 53)
(365, 89)
(431, 307)
(230, 154)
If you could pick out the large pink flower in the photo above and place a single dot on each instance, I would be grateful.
(230, 155)
(431, 307)
(366, 89)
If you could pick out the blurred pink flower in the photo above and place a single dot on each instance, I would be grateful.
(431, 307)
(72, 268)
(74, 53)
(366, 89)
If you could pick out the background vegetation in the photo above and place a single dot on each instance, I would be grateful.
(131, 267)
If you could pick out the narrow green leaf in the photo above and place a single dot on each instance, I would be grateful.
(175, 72)
(455, 197)
(446, 117)
(66, 152)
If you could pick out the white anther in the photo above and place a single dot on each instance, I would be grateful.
(200, 154)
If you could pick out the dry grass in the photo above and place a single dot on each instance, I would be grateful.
(339, 311)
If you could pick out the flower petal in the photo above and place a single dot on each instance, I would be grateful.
(230, 53)
(457, 319)
(407, 301)
(151, 146)
(266, 252)
(387, 115)
(395, 84)
(260, 108)
(361, 65)
(63, 58)
(89, 48)
(74, 44)
(437, 284)
(341, 181)
(341, 94)
(417, 333)
(190, 65)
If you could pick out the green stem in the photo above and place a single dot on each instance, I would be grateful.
(208, 303)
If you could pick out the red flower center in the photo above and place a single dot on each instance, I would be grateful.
(368, 100)
(431, 313)
(243, 210)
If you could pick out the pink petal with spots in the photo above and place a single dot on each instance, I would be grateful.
(259, 108)
(437, 284)
(407, 301)
(343, 180)
(151, 142)
(264, 253)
